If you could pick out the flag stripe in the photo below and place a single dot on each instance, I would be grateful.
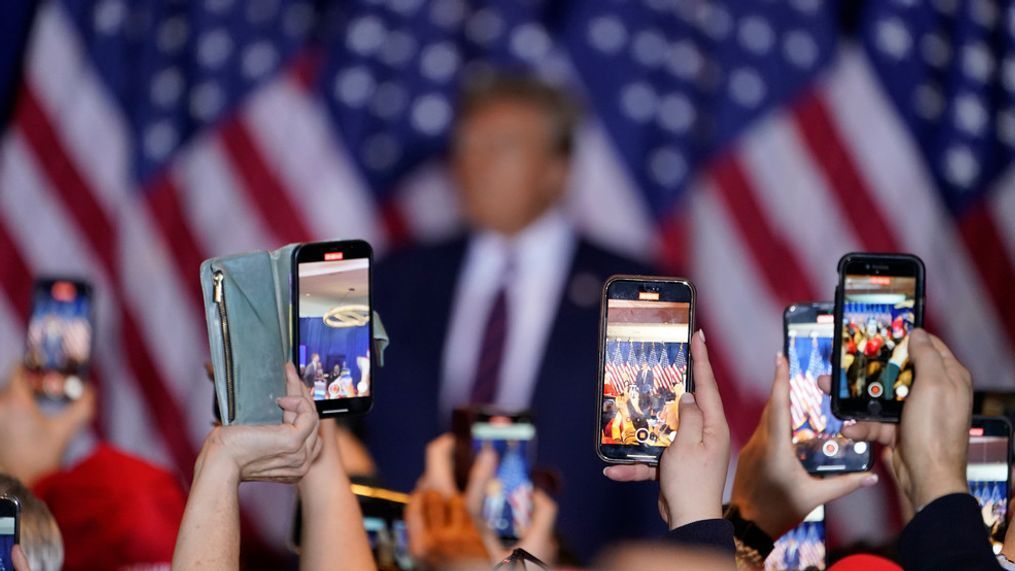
(264, 188)
(163, 204)
(985, 245)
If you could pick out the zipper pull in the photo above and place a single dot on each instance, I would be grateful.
(217, 295)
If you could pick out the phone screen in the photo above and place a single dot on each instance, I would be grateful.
(878, 313)
(819, 445)
(334, 329)
(988, 475)
(507, 503)
(58, 347)
(645, 367)
(803, 547)
(8, 535)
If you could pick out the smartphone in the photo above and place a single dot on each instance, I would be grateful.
(989, 473)
(384, 522)
(58, 346)
(820, 446)
(644, 365)
(10, 530)
(803, 547)
(878, 301)
(333, 324)
(507, 502)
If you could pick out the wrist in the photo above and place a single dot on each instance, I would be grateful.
(935, 488)
(215, 462)
(683, 517)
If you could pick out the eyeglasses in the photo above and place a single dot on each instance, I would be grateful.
(520, 559)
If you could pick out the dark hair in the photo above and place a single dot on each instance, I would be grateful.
(559, 107)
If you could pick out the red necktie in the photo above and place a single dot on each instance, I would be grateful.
(491, 352)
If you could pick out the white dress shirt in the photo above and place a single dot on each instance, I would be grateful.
(541, 257)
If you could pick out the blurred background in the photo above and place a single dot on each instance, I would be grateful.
(745, 145)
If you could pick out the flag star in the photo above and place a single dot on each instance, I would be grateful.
(714, 20)
(206, 101)
(218, 6)
(649, 48)
(800, 49)
(381, 151)
(984, 12)
(970, 114)
(809, 7)
(684, 60)
(485, 26)
(166, 87)
(1008, 74)
(405, 7)
(389, 100)
(431, 114)
(159, 139)
(398, 48)
(977, 62)
(365, 35)
(447, 13)
(936, 51)
(746, 87)
(259, 59)
(214, 48)
(109, 16)
(928, 101)
(893, 38)
(439, 61)
(297, 19)
(607, 34)
(946, 7)
(1006, 127)
(755, 35)
(676, 113)
(530, 42)
(961, 166)
(353, 86)
(667, 166)
(172, 34)
(261, 11)
(638, 101)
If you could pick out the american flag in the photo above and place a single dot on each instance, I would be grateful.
(743, 143)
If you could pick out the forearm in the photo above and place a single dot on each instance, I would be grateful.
(209, 536)
(332, 522)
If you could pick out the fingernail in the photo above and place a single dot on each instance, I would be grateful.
(687, 398)
(870, 480)
(606, 471)
(701, 333)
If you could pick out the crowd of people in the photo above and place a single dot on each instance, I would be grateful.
(506, 315)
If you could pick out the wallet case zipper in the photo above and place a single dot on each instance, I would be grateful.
(220, 302)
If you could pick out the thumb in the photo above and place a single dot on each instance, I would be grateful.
(293, 385)
(778, 416)
(482, 471)
(692, 422)
(18, 559)
(827, 489)
(538, 538)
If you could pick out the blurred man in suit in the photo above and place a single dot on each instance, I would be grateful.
(507, 314)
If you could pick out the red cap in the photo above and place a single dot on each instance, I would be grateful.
(115, 511)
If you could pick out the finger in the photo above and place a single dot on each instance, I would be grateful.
(483, 469)
(925, 356)
(434, 510)
(19, 560)
(306, 421)
(18, 385)
(539, 536)
(777, 409)
(706, 392)
(692, 422)
(938, 344)
(828, 489)
(77, 414)
(956, 370)
(439, 472)
(293, 385)
(631, 473)
(458, 513)
(870, 432)
(825, 384)
(415, 525)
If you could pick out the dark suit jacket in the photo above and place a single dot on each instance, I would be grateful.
(947, 534)
(413, 291)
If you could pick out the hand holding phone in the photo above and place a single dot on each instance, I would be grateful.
(332, 324)
(58, 346)
(988, 471)
(879, 299)
(645, 326)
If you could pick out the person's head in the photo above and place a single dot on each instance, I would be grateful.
(511, 151)
(40, 536)
(315, 358)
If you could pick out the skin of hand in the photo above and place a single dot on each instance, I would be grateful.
(771, 487)
(931, 442)
(441, 530)
(209, 536)
(692, 470)
(32, 442)
(1008, 549)
(332, 520)
(19, 560)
